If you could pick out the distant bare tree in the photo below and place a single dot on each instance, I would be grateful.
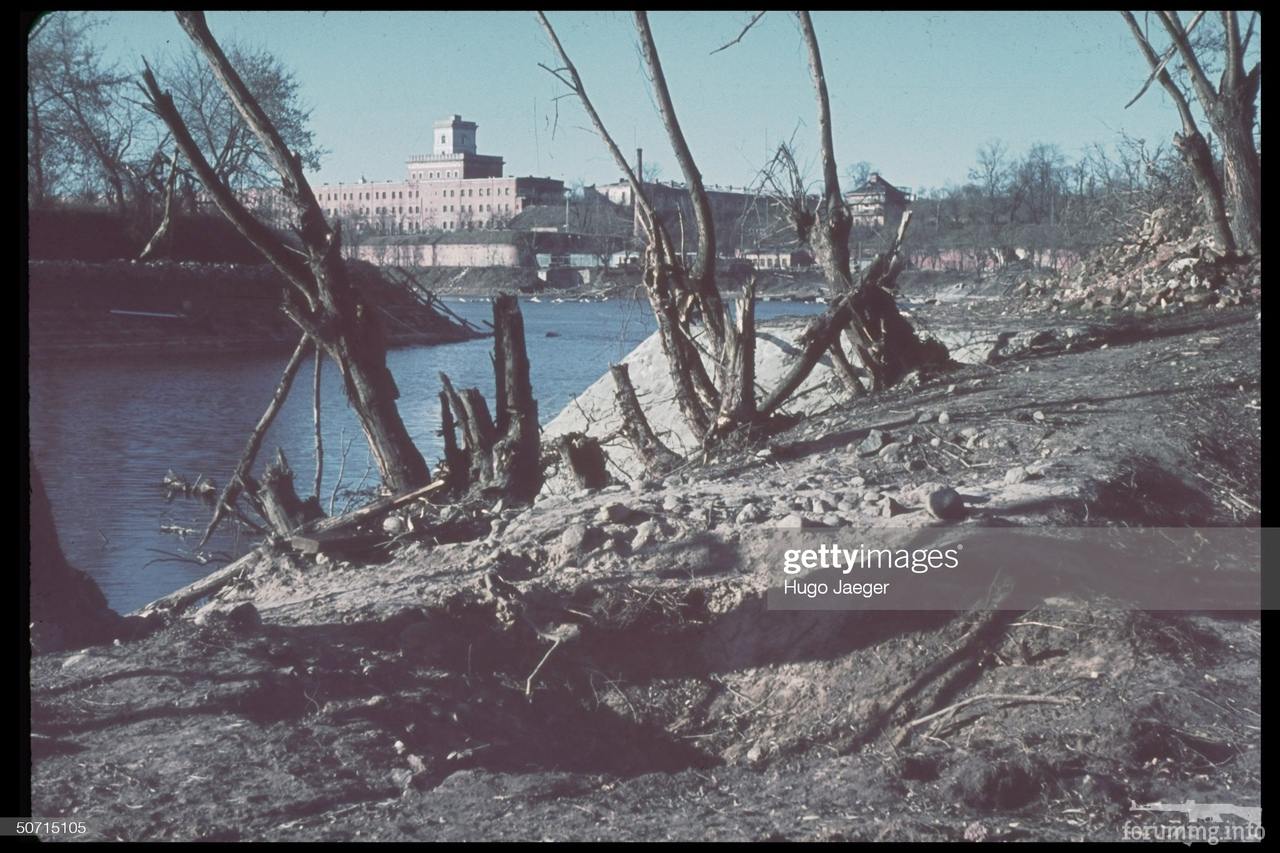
(81, 129)
(236, 155)
(859, 173)
(992, 175)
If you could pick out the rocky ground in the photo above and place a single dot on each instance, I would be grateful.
(407, 697)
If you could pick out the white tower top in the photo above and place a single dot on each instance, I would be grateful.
(452, 135)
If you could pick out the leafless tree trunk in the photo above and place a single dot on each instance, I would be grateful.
(657, 458)
(661, 268)
(703, 275)
(584, 459)
(1191, 145)
(885, 342)
(1232, 111)
(321, 298)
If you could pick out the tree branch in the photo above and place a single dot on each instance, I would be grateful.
(1169, 54)
(745, 30)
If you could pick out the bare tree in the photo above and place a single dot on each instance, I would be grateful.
(1191, 144)
(1232, 111)
(236, 155)
(992, 174)
(717, 409)
(82, 131)
(320, 297)
(859, 173)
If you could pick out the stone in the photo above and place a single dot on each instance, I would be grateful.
(819, 506)
(924, 418)
(243, 615)
(944, 418)
(916, 464)
(892, 451)
(1017, 474)
(614, 513)
(1038, 415)
(889, 508)
(795, 522)
(574, 537)
(875, 440)
(671, 503)
(944, 503)
(749, 514)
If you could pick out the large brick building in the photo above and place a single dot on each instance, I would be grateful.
(451, 189)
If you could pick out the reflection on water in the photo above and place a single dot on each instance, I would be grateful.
(105, 432)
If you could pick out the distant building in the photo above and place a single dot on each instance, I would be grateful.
(877, 203)
(451, 189)
(777, 257)
(740, 217)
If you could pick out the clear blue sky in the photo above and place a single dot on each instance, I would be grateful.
(914, 93)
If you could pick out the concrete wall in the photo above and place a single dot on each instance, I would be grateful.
(442, 255)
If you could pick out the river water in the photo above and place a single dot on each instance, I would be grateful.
(104, 432)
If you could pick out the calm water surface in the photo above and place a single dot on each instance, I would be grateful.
(104, 432)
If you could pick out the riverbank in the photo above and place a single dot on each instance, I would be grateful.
(392, 699)
(595, 285)
(83, 310)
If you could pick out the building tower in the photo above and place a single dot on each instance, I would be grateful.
(454, 136)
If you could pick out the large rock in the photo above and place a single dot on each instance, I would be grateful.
(68, 610)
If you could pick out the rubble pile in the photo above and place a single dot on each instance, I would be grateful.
(1171, 263)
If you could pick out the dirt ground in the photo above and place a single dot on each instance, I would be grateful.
(340, 699)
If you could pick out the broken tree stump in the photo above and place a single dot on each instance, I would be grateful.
(498, 454)
(584, 459)
(284, 510)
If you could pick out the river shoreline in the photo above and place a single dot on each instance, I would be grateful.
(339, 698)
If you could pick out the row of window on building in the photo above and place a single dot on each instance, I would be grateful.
(448, 208)
(394, 194)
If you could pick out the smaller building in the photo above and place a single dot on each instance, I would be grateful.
(777, 258)
(877, 203)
